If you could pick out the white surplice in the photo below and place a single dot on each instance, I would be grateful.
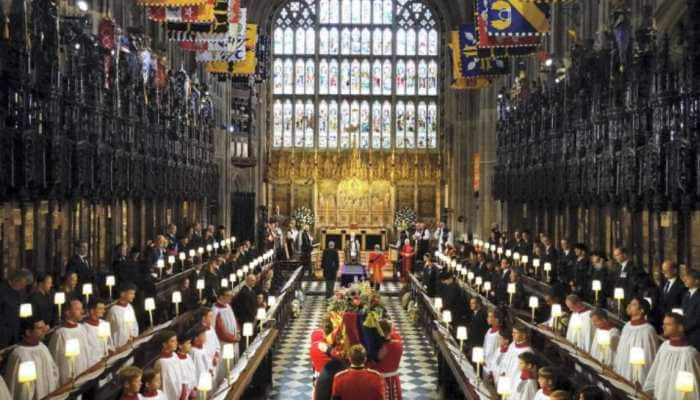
(189, 375)
(121, 331)
(525, 389)
(603, 355)
(4, 391)
(491, 347)
(46, 372)
(508, 365)
(97, 346)
(661, 379)
(540, 395)
(157, 396)
(201, 360)
(69, 369)
(635, 335)
(581, 335)
(174, 383)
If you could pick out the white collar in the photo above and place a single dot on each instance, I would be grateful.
(692, 291)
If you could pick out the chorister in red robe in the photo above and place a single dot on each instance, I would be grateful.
(407, 253)
(388, 365)
(377, 260)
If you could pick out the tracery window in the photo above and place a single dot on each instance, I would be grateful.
(355, 73)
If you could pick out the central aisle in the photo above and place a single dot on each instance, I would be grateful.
(292, 374)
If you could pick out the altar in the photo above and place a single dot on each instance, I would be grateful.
(368, 237)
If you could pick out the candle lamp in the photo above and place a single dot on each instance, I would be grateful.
(534, 303)
(224, 283)
(536, 265)
(182, 256)
(160, 264)
(454, 264)
(192, 254)
(209, 249)
(597, 286)
(493, 248)
(516, 257)
(87, 292)
(487, 288)
(524, 260)
(499, 251)
(478, 359)
(470, 277)
(603, 340)
(26, 375)
(261, 315)
(475, 242)
(556, 313)
(247, 333)
(487, 246)
(547, 269)
(149, 304)
(619, 295)
(228, 355)
(511, 291)
(239, 274)
(176, 299)
(129, 320)
(72, 352)
(271, 301)
(461, 336)
(104, 331)
(685, 383)
(216, 246)
(232, 279)
(438, 303)
(200, 251)
(503, 387)
(200, 287)
(509, 253)
(25, 310)
(447, 318)
(171, 261)
(59, 299)
(204, 385)
(110, 282)
(637, 360)
(246, 269)
(478, 281)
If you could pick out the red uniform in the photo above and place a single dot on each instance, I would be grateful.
(358, 384)
(318, 357)
(407, 254)
(388, 365)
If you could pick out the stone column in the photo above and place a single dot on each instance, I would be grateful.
(487, 149)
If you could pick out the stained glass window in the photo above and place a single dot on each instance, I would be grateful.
(338, 65)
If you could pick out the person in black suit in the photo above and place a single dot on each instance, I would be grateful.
(330, 263)
(630, 277)
(525, 245)
(478, 326)
(582, 270)
(306, 248)
(566, 263)
(453, 298)
(431, 276)
(247, 301)
(599, 272)
(42, 299)
(12, 294)
(503, 281)
(672, 289)
(80, 264)
(691, 307)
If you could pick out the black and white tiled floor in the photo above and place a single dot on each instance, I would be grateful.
(292, 374)
(319, 287)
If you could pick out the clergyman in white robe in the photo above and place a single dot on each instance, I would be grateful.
(673, 356)
(67, 368)
(637, 333)
(580, 330)
(98, 348)
(47, 376)
(121, 331)
(605, 356)
(509, 363)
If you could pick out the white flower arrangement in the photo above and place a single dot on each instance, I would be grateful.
(304, 216)
(404, 218)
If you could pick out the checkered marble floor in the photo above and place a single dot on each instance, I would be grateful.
(319, 287)
(292, 375)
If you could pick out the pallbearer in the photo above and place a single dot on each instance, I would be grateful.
(122, 318)
(390, 361)
(358, 382)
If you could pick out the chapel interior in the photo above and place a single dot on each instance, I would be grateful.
(349, 199)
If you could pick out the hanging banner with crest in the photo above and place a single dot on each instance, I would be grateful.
(515, 17)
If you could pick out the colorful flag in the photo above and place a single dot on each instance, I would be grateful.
(515, 17)
(466, 60)
(487, 41)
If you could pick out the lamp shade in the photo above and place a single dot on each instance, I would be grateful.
(534, 302)
(509, 253)
(556, 310)
(200, 250)
(239, 273)
(503, 387)
(25, 310)
(72, 347)
(87, 289)
(478, 355)
(478, 281)
(619, 293)
(216, 245)
(227, 351)
(547, 266)
(110, 281)
(475, 242)
(261, 314)
(224, 282)
(603, 338)
(511, 288)
(26, 372)
(596, 285)
(176, 297)
(438, 302)
(487, 245)
(685, 381)
(637, 356)
(245, 269)
(461, 333)
(232, 277)
(192, 253)
(104, 330)
(536, 262)
(149, 304)
(200, 284)
(205, 382)
(499, 250)
(470, 275)
(516, 256)
(487, 286)
(524, 259)
(447, 316)
(271, 301)
(209, 247)
(160, 263)
(59, 298)
(182, 256)
(222, 243)
(247, 329)
(678, 311)
(171, 260)
(493, 247)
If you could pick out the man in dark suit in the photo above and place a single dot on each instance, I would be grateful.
(431, 276)
(672, 290)
(12, 294)
(630, 277)
(329, 263)
(477, 324)
(503, 281)
(80, 264)
(453, 298)
(691, 307)
(306, 248)
(566, 263)
(246, 303)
